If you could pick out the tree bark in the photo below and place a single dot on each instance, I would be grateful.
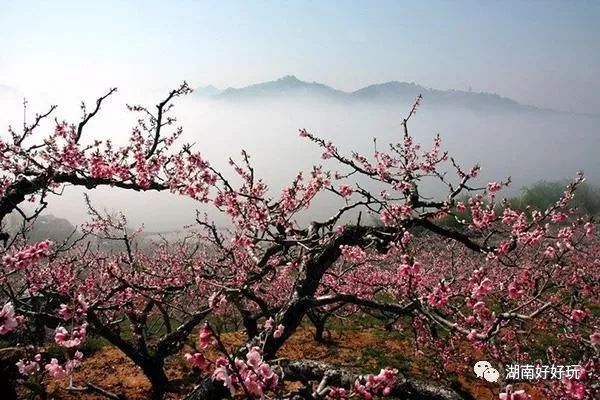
(404, 388)
(314, 371)
(154, 371)
(8, 371)
(208, 390)
(319, 332)
(319, 324)
(151, 362)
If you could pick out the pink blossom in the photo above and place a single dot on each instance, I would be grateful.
(374, 385)
(578, 315)
(472, 335)
(75, 362)
(558, 217)
(63, 338)
(279, 331)
(482, 312)
(329, 151)
(216, 300)
(337, 394)
(494, 186)
(439, 297)
(514, 290)
(8, 320)
(406, 237)
(512, 394)
(574, 388)
(254, 357)
(353, 254)
(55, 370)
(266, 371)
(270, 323)
(197, 360)
(590, 229)
(503, 248)
(395, 212)
(82, 305)
(508, 336)
(481, 290)
(345, 190)
(27, 367)
(65, 312)
(256, 375)
(28, 256)
(205, 337)
(550, 252)
(221, 373)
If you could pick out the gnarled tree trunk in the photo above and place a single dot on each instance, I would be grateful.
(308, 371)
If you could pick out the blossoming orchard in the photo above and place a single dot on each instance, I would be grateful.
(466, 276)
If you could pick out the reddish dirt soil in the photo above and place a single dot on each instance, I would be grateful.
(111, 369)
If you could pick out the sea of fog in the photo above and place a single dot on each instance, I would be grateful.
(527, 146)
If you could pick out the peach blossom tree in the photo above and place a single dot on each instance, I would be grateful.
(492, 282)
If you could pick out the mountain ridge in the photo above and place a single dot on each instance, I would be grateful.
(290, 86)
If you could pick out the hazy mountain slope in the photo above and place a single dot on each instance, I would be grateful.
(207, 91)
(394, 92)
(288, 86)
(402, 91)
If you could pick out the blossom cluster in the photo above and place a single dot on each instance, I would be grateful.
(251, 373)
(367, 387)
(9, 320)
(27, 256)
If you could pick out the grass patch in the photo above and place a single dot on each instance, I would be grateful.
(381, 358)
(93, 344)
(354, 323)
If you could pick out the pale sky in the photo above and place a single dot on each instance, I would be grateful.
(545, 53)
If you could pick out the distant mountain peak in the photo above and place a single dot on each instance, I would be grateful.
(207, 91)
(289, 78)
(286, 86)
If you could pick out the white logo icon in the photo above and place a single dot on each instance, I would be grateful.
(483, 369)
(491, 375)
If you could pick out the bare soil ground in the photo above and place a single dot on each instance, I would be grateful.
(363, 349)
